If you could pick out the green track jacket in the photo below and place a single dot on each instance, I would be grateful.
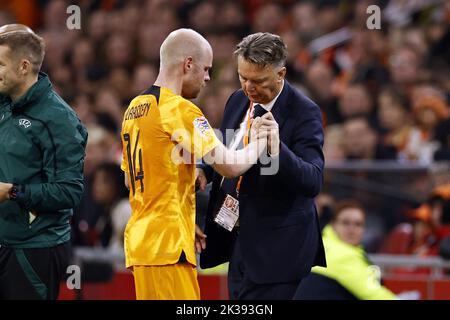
(42, 148)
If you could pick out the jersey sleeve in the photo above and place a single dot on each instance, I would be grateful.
(191, 130)
(124, 162)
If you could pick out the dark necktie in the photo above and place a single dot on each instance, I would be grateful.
(229, 185)
(258, 111)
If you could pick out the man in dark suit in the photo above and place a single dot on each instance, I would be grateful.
(277, 238)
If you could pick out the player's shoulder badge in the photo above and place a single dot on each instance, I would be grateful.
(202, 125)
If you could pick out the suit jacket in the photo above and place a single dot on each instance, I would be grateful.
(279, 231)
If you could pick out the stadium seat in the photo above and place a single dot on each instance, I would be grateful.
(398, 240)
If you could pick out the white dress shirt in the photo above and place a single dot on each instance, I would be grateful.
(237, 139)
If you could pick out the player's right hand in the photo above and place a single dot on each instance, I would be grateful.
(200, 239)
(200, 179)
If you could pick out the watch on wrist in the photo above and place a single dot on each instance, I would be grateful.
(15, 191)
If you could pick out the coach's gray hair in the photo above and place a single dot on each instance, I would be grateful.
(263, 49)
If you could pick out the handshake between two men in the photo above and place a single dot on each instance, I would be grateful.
(263, 132)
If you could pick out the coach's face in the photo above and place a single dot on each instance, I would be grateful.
(9, 73)
(260, 84)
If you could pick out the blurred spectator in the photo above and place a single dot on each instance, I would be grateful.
(214, 98)
(97, 152)
(82, 56)
(114, 152)
(108, 101)
(98, 27)
(82, 105)
(110, 192)
(120, 82)
(361, 142)
(333, 148)
(153, 33)
(320, 82)
(349, 275)
(223, 44)
(119, 51)
(124, 21)
(97, 149)
(329, 16)
(443, 136)
(202, 17)
(142, 76)
(304, 21)
(356, 101)
(298, 57)
(55, 15)
(430, 225)
(415, 39)
(405, 68)
(394, 118)
(232, 18)
(268, 18)
(429, 109)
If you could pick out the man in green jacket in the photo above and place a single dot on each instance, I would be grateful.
(42, 149)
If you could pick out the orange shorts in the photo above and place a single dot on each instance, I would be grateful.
(168, 282)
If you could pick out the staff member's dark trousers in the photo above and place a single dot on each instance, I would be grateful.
(240, 287)
(32, 274)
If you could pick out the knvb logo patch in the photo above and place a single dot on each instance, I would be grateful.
(25, 123)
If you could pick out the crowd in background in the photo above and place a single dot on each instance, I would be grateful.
(384, 93)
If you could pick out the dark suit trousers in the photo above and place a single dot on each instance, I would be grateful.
(240, 287)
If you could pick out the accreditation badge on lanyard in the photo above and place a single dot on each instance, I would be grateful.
(228, 213)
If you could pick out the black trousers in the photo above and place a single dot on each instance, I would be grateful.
(32, 274)
(240, 287)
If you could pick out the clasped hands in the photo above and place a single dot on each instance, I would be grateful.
(266, 127)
